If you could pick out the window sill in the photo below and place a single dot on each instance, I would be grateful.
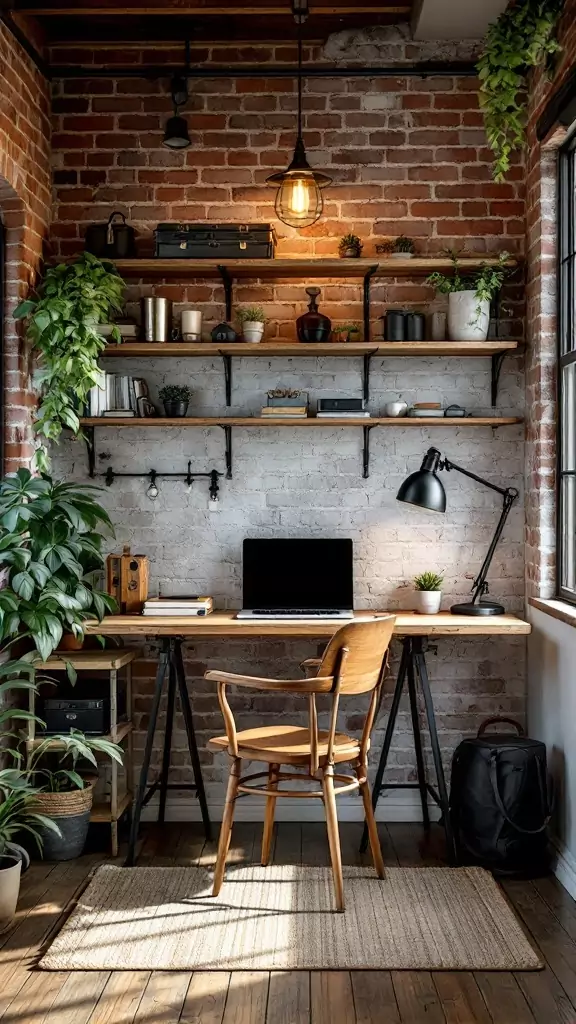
(557, 609)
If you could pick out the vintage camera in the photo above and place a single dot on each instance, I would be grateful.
(127, 578)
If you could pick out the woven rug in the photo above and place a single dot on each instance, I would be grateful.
(282, 918)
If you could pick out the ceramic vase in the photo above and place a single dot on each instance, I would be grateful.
(468, 319)
(252, 331)
(427, 602)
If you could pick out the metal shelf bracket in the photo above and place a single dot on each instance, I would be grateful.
(89, 439)
(227, 360)
(366, 297)
(497, 360)
(228, 451)
(366, 452)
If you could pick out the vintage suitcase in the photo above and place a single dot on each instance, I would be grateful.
(215, 241)
(90, 713)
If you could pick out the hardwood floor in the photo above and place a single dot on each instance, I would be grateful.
(29, 996)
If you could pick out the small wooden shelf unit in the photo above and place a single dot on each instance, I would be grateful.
(120, 731)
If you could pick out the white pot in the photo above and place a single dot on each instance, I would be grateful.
(10, 870)
(252, 331)
(401, 255)
(395, 408)
(465, 322)
(427, 602)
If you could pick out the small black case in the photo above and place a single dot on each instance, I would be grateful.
(215, 241)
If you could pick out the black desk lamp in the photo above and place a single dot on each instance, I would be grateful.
(425, 489)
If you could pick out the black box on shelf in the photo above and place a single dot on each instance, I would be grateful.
(215, 241)
(88, 711)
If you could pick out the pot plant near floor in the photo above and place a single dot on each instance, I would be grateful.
(252, 321)
(176, 399)
(428, 594)
(469, 297)
(62, 792)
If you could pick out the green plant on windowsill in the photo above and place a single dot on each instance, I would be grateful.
(520, 39)
(428, 581)
(62, 324)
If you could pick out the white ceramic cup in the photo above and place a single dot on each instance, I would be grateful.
(395, 408)
(191, 325)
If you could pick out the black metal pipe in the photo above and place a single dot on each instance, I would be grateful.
(424, 69)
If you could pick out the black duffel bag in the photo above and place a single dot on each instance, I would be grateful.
(500, 800)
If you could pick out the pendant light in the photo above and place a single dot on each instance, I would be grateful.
(299, 200)
(176, 134)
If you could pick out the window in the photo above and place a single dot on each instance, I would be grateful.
(566, 497)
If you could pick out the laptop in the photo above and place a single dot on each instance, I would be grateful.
(297, 579)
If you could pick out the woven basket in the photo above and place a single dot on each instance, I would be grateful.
(67, 804)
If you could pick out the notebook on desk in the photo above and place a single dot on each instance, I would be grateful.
(297, 579)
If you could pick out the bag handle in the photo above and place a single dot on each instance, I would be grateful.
(110, 225)
(497, 719)
(502, 809)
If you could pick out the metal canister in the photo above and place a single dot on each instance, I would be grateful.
(394, 325)
(156, 319)
(415, 327)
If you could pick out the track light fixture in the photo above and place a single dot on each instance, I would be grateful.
(176, 134)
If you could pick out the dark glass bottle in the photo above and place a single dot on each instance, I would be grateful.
(313, 325)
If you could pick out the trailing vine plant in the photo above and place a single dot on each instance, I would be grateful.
(62, 324)
(521, 38)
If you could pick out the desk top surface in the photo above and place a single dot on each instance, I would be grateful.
(225, 623)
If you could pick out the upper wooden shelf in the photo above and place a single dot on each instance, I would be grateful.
(297, 348)
(184, 268)
(310, 421)
(91, 661)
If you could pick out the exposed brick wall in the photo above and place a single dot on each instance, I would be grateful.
(541, 327)
(407, 156)
(25, 198)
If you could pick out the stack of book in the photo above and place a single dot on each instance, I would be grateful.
(284, 412)
(117, 395)
(192, 606)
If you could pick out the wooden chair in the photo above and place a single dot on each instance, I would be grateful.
(354, 662)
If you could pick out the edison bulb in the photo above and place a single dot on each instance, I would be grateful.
(299, 200)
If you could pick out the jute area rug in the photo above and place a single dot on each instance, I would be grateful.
(283, 918)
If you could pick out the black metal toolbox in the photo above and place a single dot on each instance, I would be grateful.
(215, 241)
(89, 713)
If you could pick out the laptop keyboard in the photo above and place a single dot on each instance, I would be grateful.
(305, 612)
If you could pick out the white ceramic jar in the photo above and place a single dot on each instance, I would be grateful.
(427, 602)
(468, 319)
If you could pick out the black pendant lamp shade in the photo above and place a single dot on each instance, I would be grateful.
(176, 133)
(299, 200)
(424, 488)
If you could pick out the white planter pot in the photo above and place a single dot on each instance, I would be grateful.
(10, 870)
(402, 255)
(252, 331)
(427, 602)
(465, 323)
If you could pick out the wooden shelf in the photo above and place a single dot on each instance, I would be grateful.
(277, 268)
(258, 421)
(102, 812)
(267, 349)
(93, 661)
(122, 731)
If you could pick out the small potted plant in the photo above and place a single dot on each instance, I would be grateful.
(62, 794)
(252, 321)
(350, 247)
(403, 248)
(347, 330)
(428, 593)
(385, 248)
(176, 398)
(469, 297)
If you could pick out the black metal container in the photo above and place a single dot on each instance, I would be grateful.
(394, 325)
(215, 241)
(175, 409)
(415, 327)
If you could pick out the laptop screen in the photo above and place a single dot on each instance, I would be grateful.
(309, 574)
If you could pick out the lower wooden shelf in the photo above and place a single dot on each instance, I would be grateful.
(102, 812)
(163, 422)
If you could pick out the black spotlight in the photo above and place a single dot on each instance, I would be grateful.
(176, 134)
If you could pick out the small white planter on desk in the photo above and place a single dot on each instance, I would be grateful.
(427, 602)
(468, 319)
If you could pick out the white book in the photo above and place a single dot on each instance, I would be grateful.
(346, 415)
(184, 612)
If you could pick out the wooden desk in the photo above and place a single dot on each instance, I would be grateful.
(413, 630)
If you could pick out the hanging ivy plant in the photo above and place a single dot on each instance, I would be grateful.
(73, 299)
(521, 38)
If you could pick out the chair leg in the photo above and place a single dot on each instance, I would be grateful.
(362, 774)
(268, 829)
(226, 826)
(333, 834)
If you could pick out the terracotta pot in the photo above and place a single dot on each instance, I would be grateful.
(69, 642)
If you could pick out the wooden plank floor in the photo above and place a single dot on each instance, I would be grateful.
(29, 996)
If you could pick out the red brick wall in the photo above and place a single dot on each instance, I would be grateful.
(541, 184)
(25, 212)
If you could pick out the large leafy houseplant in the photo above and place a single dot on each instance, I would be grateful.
(520, 39)
(50, 549)
(62, 324)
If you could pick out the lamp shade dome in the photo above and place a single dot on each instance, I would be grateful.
(176, 135)
(424, 488)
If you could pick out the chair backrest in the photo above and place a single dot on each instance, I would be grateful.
(367, 644)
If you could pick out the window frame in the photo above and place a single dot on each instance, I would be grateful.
(566, 357)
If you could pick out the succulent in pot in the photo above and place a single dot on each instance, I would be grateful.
(253, 321)
(428, 593)
(469, 296)
(403, 247)
(176, 398)
(350, 247)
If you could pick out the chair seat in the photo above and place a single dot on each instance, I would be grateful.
(288, 744)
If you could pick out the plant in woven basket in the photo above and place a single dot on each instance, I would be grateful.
(50, 551)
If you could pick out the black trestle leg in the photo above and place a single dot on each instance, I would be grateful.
(192, 745)
(143, 781)
(419, 648)
(167, 737)
(418, 744)
(388, 735)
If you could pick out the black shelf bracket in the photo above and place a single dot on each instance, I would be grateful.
(366, 297)
(227, 282)
(497, 360)
(366, 452)
(366, 374)
(228, 450)
(91, 450)
(227, 360)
